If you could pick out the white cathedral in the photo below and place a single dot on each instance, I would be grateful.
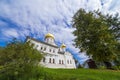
(54, 56)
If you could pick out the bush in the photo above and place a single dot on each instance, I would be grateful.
(19, 61)
(102, 67)
(116, 67)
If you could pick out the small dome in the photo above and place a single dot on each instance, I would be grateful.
(63, 46)
(49, 35)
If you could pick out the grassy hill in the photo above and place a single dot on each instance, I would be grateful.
(80, 74)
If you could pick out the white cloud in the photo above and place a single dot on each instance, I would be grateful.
(39, 17)
(10, 33)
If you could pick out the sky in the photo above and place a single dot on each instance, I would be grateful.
(35, 18)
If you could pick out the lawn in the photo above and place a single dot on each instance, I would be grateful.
(81, 74)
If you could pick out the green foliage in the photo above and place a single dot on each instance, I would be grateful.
(97, 34)
(115, 68)
(102, 67)
(18, 60)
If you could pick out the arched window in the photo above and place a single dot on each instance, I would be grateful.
(62, 62)
(41, 48)
(68, 61)
(44, 59)
(47, 40)
(59, 61)
(59, 50)
(53, 60)
(50, 50)
(53, 51)
(50, 60)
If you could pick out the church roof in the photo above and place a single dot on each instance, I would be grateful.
(49, 35)
(28, 37)
(63, 46)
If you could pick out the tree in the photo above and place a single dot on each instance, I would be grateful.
(17, 60)
(97, 34)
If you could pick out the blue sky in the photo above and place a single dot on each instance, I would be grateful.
(35, 18)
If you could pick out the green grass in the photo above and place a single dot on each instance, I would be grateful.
(80, 74)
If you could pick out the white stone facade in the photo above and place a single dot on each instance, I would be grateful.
(54, 56)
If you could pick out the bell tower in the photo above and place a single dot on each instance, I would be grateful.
(62, 48)
(49, 38)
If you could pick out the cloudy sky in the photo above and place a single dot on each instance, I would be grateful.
(35, 18)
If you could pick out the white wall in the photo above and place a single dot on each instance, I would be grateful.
(67, 58)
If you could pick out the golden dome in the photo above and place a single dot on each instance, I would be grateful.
(49, 35)
(63, 46)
